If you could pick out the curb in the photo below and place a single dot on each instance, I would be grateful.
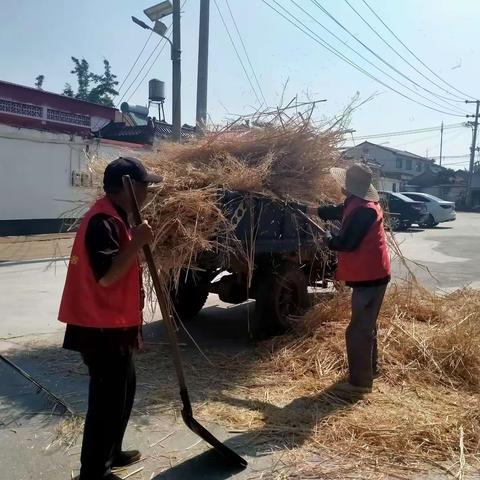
(33, 261)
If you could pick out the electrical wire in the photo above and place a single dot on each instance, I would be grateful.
(135, 63)
(413, 54)
(409, 132)
(448, 137)
(450, 99)
(148, 71)
(316, 38)
(168, 35)
(238, 54)
(373, 64)
(246, 53)
(396, 70)
(141, 70)
(465, 155)
(454, 163)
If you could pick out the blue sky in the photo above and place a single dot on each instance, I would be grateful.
(38, 37)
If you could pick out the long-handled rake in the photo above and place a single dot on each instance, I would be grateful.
(187, 413)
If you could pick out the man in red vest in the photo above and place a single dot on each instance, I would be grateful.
(102, 307)
(364, 265)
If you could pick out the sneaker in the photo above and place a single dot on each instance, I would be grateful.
(126, 458)
(347, 390)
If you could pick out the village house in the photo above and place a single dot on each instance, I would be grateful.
(396, 168)
(46, 141)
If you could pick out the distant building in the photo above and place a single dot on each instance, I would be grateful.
(397, 167)
(447, 185)
(46, 142)
(28, 107)
(147, 134)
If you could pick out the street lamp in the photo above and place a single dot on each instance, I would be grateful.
(155, 13)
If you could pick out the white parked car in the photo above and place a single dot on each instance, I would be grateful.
(439, 210)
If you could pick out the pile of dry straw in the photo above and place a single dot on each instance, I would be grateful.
(426, 408)
(289, 160)
(424, 413)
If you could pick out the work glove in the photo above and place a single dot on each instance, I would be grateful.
(327, 237)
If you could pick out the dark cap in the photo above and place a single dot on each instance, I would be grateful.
(112, 177)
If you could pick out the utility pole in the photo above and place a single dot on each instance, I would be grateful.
(202, 75)
(472, 151)
(441, 143)
(176, 74)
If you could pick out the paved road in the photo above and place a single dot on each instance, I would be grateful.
(28, 306)
(451, 252)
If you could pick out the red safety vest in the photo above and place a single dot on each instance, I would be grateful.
(370, 261)
(85, 302)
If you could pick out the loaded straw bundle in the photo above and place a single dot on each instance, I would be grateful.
(286, 161)
(426, 407)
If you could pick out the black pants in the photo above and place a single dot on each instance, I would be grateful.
(110, 401)
(361, 334)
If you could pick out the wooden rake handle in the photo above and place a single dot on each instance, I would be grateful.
(157, 285)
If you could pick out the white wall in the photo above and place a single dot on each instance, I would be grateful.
(390, 184)
(36, 171)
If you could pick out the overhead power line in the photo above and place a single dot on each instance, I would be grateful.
(148, 71)
(135, 63)
(316, 38)
(441, 105)
(466, 155)
(375, 54)
(409, 132)
(168, 34)
(455, 98)
(246, 53)
(413, 54)
(141, 70)
(252, 86)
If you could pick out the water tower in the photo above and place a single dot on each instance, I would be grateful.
(156, 95)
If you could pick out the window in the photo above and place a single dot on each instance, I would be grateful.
(417, 198)
(399, 163)
(408, 164)
(418, 166)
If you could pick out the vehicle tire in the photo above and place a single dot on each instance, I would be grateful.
(279, 295)
(395, 223)
(190, 295)
(430, 223)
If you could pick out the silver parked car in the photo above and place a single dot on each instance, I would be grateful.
(439, 210)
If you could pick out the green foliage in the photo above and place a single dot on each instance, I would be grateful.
(39, 81)
(91, 86)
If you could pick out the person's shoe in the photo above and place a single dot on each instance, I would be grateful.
(347, 390)
(124, 458)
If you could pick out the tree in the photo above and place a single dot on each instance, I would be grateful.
(104, 85)
(39, 81)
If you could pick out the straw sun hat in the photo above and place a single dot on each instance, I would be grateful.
(356, 180)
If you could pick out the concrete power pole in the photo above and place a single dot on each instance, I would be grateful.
(472, 151)
(441, 143)
(176, 74)
(202, 76)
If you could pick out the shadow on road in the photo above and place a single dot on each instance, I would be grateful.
(301, 415)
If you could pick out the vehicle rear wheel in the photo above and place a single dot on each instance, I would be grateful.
(279, 295)
(430, 222)
(190, 295)
(394, 223)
